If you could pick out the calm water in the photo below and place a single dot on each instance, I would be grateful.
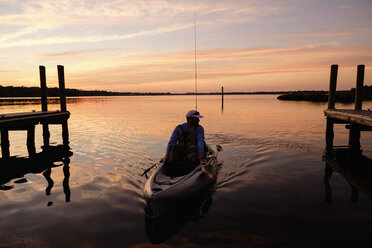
(269, 193)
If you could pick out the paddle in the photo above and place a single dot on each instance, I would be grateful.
(148, 169)
(207, 169)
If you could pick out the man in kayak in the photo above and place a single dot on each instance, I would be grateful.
(187, 140)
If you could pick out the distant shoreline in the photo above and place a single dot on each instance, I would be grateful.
(21, 92)
(322, 96)
(27, 100)
(30, 95)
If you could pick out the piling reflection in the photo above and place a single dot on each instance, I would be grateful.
(43, 162)
(354, 167)
(160, 229)
(349, 162)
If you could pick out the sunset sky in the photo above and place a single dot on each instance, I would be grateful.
(142, 46)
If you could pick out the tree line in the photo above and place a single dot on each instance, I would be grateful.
(22, 91)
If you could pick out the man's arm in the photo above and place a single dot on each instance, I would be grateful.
(172, 140)
(200, 139)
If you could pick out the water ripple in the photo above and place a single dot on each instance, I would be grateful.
(264, 143)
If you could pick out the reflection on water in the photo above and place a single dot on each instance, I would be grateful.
(269, 191)
(160, 229)
(348, 161)
(353, 166)
(43, 162)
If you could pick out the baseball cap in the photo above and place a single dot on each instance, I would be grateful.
(193, 113)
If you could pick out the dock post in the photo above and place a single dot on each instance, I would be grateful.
(329, 136)
(5, 143)
(65, 136)
(222, 97)
(62, 95)
(359, 88)
(354, 134)
(332, 87)
(31, 141)
(44, 104)
(46, 134)
(354, 139)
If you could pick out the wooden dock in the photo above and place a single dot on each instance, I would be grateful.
(28, 121)
(357, 115)
(348, 161)
(357, 120)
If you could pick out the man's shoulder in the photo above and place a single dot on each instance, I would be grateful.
(200, 127)
(183, 126)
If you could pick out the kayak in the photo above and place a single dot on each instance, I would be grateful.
(163, 189)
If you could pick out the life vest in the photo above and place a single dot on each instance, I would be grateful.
(188, 139)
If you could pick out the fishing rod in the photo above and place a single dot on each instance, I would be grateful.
(196, 74)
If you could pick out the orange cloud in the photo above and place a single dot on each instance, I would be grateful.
(176, 70)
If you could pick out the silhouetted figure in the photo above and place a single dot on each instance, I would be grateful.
(186, 146)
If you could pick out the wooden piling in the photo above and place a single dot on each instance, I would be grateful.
(329, 135)
(359, 87)
(354, 135)
(5, 143)
(31, 141)
(46, 134)
(61, 80)
(332, 87)
(44, 103)
(65, 135)
(354, 138)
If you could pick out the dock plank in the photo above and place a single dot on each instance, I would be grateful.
(362, 117)
(20, 119)
(24, 114)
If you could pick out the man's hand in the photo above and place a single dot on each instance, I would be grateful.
(164, 159)
(200, 156)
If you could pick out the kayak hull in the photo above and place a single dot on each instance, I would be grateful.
(162, 191)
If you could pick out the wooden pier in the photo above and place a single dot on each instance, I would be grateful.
(348, 160)
(357, 120)
(28, 121)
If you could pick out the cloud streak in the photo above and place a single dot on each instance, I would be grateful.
(79, 52)
(153, 18)
(88, 39)
(238, 41)
(216, 65)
